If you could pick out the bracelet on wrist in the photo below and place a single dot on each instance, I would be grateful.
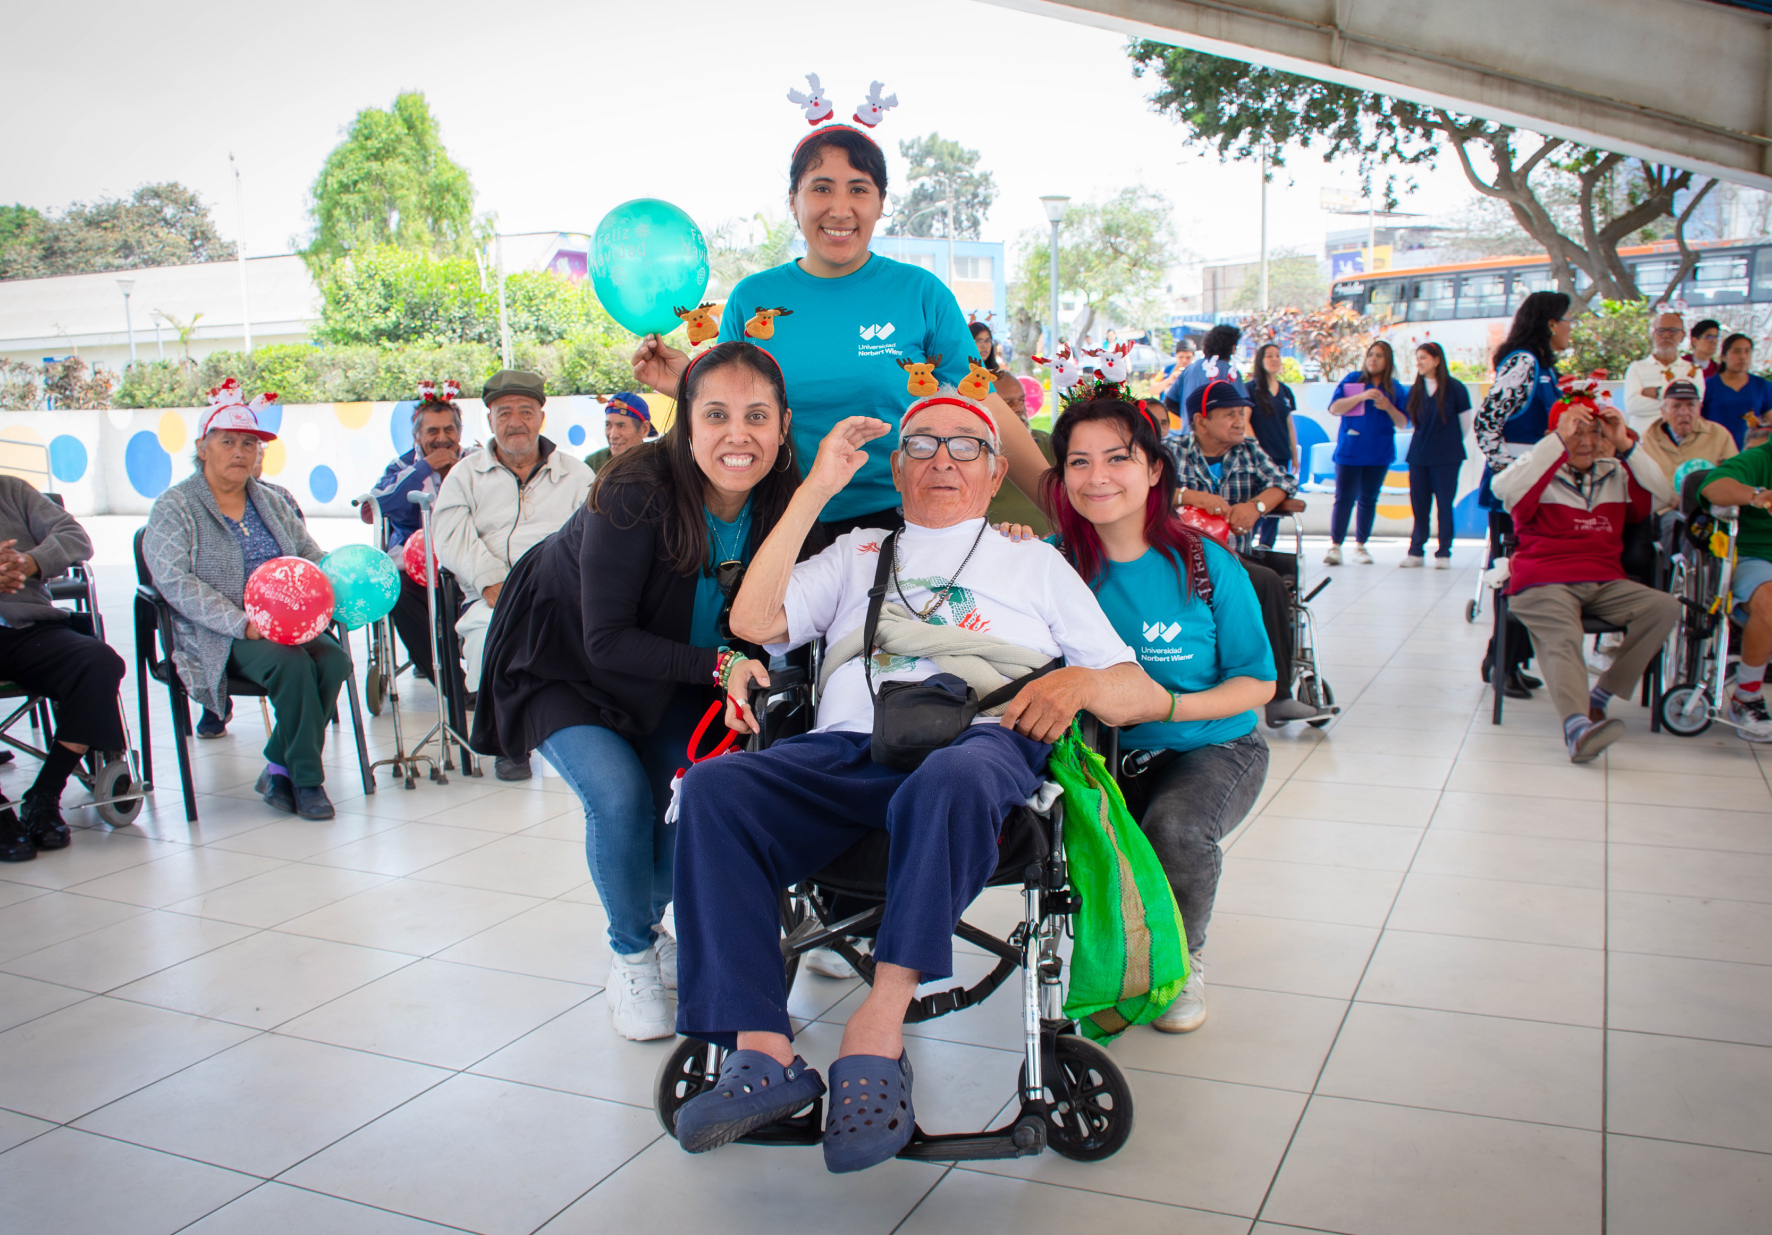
(723, 663)
(1173, 700)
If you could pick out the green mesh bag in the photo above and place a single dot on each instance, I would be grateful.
(1130, 957)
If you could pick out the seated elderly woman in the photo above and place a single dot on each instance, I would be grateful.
(205, 537)
(961, 597)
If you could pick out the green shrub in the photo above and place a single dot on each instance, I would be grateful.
(1610, 338)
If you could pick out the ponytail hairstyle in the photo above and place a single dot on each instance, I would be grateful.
(1163, 531)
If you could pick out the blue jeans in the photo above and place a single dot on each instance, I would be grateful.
(1356, 484)
(1267, 531)
(1432, 485)
(625, 785)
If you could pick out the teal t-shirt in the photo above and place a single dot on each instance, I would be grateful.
(839, 352)
(726, 542)
(1184, 644)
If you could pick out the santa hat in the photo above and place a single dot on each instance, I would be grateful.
(950, 397)
(229, 412)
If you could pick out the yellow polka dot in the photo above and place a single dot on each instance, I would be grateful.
(353, 415)
(171, 432)
(275, 458)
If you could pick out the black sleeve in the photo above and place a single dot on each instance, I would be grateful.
(617, 558)
(1461, 397)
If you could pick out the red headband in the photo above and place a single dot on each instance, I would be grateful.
(684, 380)
(923, 405)
(830, 128)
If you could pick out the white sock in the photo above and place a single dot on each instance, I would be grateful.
(1748, 679)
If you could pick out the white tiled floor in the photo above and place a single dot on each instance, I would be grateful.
(1456, 985)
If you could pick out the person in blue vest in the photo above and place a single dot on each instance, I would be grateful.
(1369, 405)
(1437, 408)
(850, 316)
(1514, 416)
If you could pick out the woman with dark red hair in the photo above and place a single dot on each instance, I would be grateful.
(1191, 770)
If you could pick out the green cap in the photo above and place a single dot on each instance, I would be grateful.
(514, 382)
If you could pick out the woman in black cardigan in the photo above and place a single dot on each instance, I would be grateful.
(610, 642)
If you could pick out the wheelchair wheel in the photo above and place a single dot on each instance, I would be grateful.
(1685, 712)
(113, 778)
(1091, 1115)
(681, 1077)
(1314, 691)
(375, 690)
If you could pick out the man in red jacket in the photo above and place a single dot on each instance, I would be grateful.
(1569, 506)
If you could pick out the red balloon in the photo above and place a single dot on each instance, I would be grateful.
(289, 599)
(1206, 523)
(418, 562)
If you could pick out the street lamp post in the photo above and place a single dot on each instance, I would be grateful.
(1055, 208)
(127, 286)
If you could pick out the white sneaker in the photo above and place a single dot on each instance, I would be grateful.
(637, 1005)
(1188, 1012)
(1750, 718)
(666, 947)
(1413, 561)
(1361, 556)
(1442, 563)
(828, 963)
(1333, 557)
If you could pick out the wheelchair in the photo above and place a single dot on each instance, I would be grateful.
(114, 778)
(1700, 550)
(1309, 686)
(384, 661)
(1074, 1099)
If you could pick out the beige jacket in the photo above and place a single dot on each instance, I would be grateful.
(1706, 441)
(484, 520)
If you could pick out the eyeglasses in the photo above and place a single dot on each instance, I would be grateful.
(960, 449)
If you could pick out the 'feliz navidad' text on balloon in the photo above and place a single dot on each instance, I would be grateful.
(289, 599)
(365, 585)
(647, 257)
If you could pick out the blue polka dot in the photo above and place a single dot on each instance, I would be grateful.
(270, 418)
(400, 425)
(67, 458)
(576, 435)
(323, 484)
(147, 464)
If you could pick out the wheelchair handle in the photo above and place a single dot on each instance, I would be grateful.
(419, 498)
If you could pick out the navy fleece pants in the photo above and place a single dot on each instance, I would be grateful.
(753, 823)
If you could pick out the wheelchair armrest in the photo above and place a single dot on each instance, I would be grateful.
(1291, 506)
(783, 708)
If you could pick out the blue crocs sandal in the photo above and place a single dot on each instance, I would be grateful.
(871, 1117)
(753, 1091)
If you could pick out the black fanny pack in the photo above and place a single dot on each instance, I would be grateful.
(914, 719)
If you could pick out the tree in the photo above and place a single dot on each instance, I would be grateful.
(1334, 336)
(943, 174)
(1292, 279)
(1237, 107)
(1111, 255)
(391, 182)
(736, 250)
(157, 225)
(1610, 338)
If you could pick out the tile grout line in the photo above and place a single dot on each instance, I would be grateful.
(1606, 1001)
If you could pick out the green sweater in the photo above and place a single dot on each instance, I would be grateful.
(1011, 505)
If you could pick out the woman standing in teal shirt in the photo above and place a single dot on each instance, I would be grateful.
(1369, 405)
(852, 316)
(1193, 768)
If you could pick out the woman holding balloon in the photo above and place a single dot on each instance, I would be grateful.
(205, 537)
(610, 644)
(852, 316)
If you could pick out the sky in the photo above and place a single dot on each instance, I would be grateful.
(562, 111)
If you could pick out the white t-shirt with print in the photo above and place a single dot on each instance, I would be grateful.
(1023, 592)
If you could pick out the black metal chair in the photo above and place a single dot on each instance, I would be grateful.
(1643, 561)
(153, 659)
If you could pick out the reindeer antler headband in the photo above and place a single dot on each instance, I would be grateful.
(817, 108)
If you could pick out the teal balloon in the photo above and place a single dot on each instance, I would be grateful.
(1687, 468)
(365, 585)
(647, 259)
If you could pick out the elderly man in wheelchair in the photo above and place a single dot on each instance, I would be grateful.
(952, 608)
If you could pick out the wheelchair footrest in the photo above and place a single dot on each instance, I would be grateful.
(1022, 1139)
(806, 1129)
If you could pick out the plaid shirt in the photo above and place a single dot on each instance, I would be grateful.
(1247, 469)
